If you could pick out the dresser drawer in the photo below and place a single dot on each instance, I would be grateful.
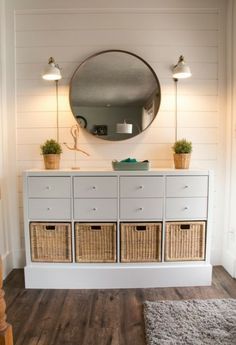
(141, 187)
(145, 209)
(49, 187)
(186, 208)
(95, 209)
(186, 186)
(95, 187)
(49, 209)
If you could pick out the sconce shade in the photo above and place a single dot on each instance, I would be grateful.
(125, 128)
(52, 71)
(181, 70)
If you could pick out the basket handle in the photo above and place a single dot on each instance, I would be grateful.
(185, 226)
(50, 227)
(96, 227)
(141, 228)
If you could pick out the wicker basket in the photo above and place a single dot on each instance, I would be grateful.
(185, 241)
(52, 161)
(95, 242)
(50, 242)
(141, 242)
(182, 160)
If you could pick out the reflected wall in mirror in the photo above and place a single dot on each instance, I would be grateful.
(114, 87)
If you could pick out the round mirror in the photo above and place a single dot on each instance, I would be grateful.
(114, 94)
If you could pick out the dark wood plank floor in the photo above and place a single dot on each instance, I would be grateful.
(93, 317)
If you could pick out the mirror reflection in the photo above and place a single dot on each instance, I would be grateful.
(115, 95)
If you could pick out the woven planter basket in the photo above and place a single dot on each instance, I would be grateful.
(51, 161)
(182, 160)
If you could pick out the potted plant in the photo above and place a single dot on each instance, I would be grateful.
(182, 153)
(51, 151)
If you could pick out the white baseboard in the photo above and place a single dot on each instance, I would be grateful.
(19, 258)
(216, 257)
(7, 261)
(11, 261)
(229, 263)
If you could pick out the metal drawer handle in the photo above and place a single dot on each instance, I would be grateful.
(186, 186)
(141, 187)
(49, 208)
(186, 208)
(140, 208)
(94, 208)
(94, 187)
(48, 187)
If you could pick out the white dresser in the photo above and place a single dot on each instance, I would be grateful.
(68, 199)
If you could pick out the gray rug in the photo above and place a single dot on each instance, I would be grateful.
(193, 322)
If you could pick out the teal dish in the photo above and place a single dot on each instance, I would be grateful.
(130, 166)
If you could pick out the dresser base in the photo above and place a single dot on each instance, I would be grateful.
(110, 276)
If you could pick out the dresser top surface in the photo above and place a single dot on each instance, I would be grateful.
(107, 172)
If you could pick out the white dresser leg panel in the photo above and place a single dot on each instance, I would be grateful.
(52, 277)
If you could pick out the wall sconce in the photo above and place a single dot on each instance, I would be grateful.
(53, 72)
(180, 71)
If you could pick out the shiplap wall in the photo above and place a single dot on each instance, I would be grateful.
(5, 246)
(229, 254)
(159, 33)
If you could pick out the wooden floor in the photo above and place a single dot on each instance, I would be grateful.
(92, 317)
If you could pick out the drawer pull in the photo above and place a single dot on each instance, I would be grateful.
(50, 227)
(48, 187)
(186, 186)
(186, 208)
(140, 209)
(141, 228)
(94, 208)
(49, 208)
(185, 226)
(141, 187)
(94, 187)
(96, 227)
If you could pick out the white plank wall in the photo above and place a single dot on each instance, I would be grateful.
(159, 34)
(229, 253)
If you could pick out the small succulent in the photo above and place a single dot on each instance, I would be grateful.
(51, 146)
(182, 146)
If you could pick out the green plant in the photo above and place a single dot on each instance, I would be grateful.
(182, 146)
(51, 146)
